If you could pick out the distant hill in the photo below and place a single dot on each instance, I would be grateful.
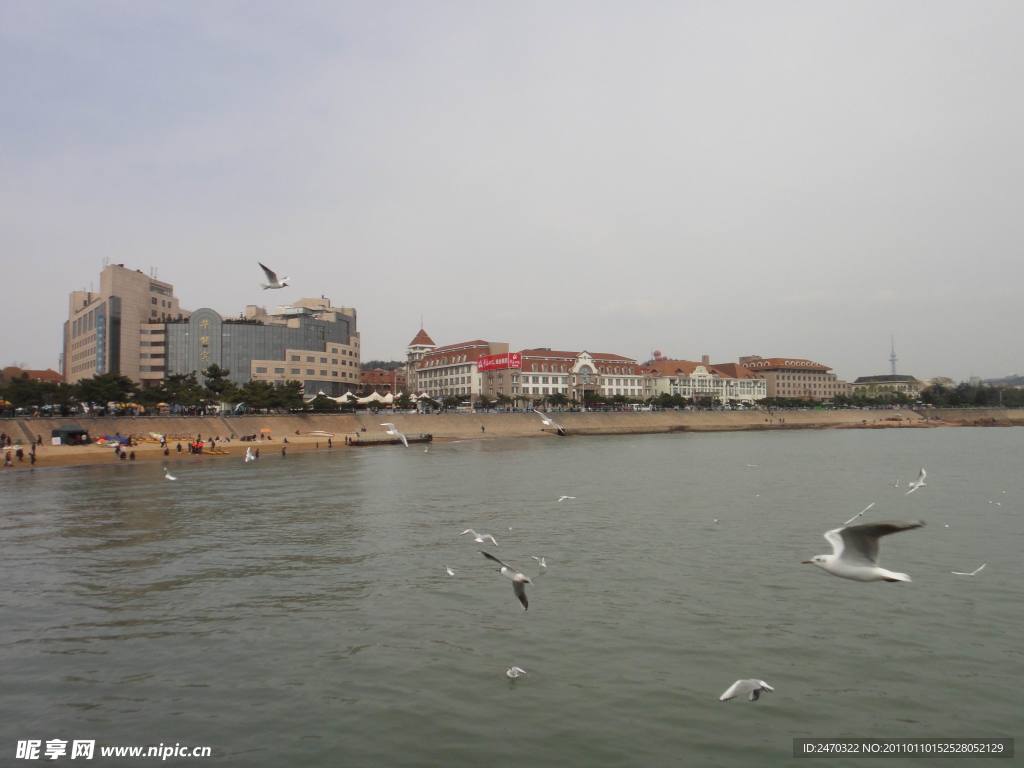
(1016, 380)
(387, 365)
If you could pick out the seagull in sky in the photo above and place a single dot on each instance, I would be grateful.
(919, 483)
(975, 572)
(751, 686)
(519, 580)
(393, 431)
(563, 498)
(855, 552)
(168, 475)
(272, 281)
(869, 506)
(480, 538)
(513, 672)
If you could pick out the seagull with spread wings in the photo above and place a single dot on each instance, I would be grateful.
(519, 579)
(855, 552)
(919, 483)
(393, 431)
(272, 280)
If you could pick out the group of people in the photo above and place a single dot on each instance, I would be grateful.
(16, 451)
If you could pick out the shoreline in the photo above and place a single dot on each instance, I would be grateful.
(446, 427)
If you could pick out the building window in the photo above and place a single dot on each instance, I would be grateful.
(309, 372)
(294, 359)
(295, 371)
(260, 369)
(279, 370)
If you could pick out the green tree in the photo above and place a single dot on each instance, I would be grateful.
(288, 396)
(451, 401)
(106, 388)
(258, 395)
(218, 387)
(485, 402)
(403, 401)
(183, 389)
(558, 399)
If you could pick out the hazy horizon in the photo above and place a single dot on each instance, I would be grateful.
(787, 179)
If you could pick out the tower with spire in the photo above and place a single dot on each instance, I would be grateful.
(892, 354)
(420, 345)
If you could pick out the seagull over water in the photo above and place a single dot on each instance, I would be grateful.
(513, 672)
(449, 571)
(869, 506)
(168, 475)
(563, 498)
(519, 580)
(480, 538)
(540, 561)
(549, 422)
(393, 431)
(855, 552)
(750, 686)
(249, 455)
(975, 572)
(919, 483)
(272, 281)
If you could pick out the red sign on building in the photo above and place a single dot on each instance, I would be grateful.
(499, 362)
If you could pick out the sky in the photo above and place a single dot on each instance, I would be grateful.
(792, 179)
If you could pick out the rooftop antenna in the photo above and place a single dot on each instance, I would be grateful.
(892, 354)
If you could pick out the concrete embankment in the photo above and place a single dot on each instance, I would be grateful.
(297, 427)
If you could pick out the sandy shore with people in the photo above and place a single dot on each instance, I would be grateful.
(311, 432)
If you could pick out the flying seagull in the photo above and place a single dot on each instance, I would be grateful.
(563, 498)
(513, 672)
(449, 571)
(869, 506)
(249, 455)
(855, 552)
(754, 687)
(168, 475)
(519, 580)
(479, 538)
(272, 281)
(975, 572)
(393, 431)
(917, 483)
(549, 422)
(541, 561)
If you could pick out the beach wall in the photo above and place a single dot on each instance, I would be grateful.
(460, 425)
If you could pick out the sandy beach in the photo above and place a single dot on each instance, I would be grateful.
(297, 428)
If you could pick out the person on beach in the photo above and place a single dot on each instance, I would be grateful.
(7, 460)
(257, 451)
(167, 451)
(284, 449)
(330, 444)
(131, 456)
(122, 455)
(179, 447)
(20, 454)
(32, 458)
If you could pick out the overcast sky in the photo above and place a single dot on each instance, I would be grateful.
(774, 178)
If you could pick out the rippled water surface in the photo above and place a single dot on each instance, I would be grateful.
(296, 612)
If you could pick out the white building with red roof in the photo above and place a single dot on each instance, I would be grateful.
(725, 382)
(451, 370)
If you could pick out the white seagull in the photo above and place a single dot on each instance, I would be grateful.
(549, 422)
(541, 561)
(855, 552)
(249, 455)
(272, 281)
(479, 538)
(752, 686)
(919, 483)
(519, 580)
(449, 571)
(393, 431)
(975, 572)
(168, 475)
(869, 506)
(563, 498)
(513, 672)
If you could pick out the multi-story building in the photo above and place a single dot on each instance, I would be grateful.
(704, 380)
(46, 375)
(108, 331)
(886, 385)
(796, 378)
(310, 342)
(451, 371)
(532, 374)
(382, 381)
(420, 345)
